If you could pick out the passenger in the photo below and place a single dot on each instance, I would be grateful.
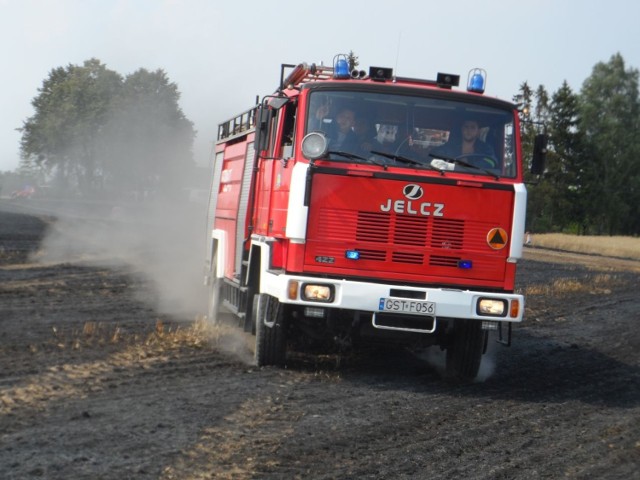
(470, 147)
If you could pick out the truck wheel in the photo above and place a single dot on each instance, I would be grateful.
(464, 354)
(270, 330)
(213, 312)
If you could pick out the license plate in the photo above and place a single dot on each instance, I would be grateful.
(401, 305)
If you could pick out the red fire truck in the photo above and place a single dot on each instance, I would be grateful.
(348, 207)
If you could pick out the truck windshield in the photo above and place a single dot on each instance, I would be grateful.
(446, 135)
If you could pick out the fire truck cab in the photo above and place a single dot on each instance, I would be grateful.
(348, 207)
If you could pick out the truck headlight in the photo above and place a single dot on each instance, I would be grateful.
(492, 306)
(317, 292)
(314, 145)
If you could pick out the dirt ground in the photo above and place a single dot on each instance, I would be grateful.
(95, 383)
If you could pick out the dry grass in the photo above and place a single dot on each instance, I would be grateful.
(601, 284)
(196, 334)
(622, 247)
(161, 339)
(133, 351)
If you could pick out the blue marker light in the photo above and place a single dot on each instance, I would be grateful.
(465, 264)
(352, 254)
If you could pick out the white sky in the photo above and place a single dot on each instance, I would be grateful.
(221, 54)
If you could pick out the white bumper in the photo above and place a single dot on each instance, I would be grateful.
(365, 296)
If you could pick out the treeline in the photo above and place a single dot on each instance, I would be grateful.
(592, 180)
(95, 131)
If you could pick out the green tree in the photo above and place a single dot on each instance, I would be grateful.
(610, 122)
(147, 140)
(530, 112)
(352, 60)
(94, 130)
(69, 111)
(565, 197)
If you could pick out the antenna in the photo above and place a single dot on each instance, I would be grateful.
(395, 69)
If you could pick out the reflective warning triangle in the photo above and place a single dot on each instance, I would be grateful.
(497, 238)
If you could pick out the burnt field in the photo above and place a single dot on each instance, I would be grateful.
(96, 381)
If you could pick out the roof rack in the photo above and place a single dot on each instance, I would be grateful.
(303, 73)
(238, 124)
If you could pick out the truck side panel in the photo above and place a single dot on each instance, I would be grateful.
(231, 207)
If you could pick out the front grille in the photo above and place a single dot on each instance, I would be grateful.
(373, 227)
(442, 261)
(379, 255)
(447, 233)
(408, 257)
(410, 230)
(399, 238)
(396, 229)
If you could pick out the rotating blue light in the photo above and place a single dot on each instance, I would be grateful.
(341, 68)
(477, 80)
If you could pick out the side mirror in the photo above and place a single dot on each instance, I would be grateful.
(262, 127)
(266, 111)
(539, 153)
(278, 102)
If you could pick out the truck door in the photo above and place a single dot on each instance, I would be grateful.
(273, 174)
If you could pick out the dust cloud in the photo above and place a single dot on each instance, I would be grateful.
(157, 235)
(158, 240)
(436, 358)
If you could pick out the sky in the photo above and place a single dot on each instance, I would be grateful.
(222, 54)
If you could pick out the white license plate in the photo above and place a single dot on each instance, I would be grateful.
(402, 305)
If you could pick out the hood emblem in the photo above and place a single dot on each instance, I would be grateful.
(413, 191)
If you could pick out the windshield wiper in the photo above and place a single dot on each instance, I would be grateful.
(410, 161)
(457, 161)
(353, 156)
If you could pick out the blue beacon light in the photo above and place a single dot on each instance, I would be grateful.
(352, 254)
(477, 80)
(341, 67)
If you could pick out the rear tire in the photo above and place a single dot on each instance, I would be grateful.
(464, 354)
(271, 346)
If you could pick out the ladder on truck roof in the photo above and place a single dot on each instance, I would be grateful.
(238, 124)
(301, 73)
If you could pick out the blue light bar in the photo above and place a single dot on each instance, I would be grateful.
(465, 264)
(352, 254)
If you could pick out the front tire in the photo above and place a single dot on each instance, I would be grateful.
(464, 354)
(271, 346)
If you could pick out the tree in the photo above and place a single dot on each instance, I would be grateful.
(352, 60)
(566, 183)
(530, 126)
(147, 138)
(95, 130)
(70, 109)
(610, 121)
